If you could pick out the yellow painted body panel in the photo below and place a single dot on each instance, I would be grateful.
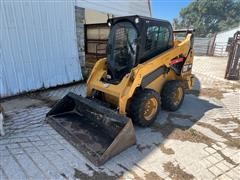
(120, 94)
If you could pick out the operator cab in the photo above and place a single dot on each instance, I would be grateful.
(134, 40)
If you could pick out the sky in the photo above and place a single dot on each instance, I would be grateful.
(168, 9)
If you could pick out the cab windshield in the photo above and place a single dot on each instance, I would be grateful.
(122, 49)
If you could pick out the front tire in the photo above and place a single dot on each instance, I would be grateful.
(172, 95)
(144, 107)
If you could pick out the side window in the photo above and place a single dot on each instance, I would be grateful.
(163, 38)
(157, 38)
(152, 37)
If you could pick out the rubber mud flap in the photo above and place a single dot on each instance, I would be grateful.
(97, 132)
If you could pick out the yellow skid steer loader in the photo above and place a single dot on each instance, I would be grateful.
(145, 69)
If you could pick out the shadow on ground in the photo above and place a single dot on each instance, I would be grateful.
(169, 125)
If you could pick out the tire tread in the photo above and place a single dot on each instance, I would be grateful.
(136, 108)
(168, 93)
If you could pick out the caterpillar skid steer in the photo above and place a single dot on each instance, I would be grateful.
(145, 69)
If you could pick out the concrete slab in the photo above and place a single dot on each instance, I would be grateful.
(194, 142)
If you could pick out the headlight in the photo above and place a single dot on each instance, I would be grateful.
(136, 20)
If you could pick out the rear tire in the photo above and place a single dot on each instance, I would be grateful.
(172, 95)
(144, 107)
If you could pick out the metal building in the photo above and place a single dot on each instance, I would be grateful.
(42, 42)
(221, 41)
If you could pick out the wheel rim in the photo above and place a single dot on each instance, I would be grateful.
(150, 109)
(178, 96)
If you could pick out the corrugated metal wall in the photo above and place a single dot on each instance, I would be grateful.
(119, 8)
(221, 41)
(200, 45)
(38, 46)
(38, 42)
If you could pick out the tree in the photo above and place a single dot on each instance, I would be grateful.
(209, 16)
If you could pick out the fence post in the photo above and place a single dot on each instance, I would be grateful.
(233, 65)
(211, 45)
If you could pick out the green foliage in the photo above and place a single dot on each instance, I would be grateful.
(209, 16)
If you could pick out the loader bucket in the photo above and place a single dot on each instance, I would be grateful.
(96, 131)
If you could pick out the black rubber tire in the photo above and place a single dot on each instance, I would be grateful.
(168, 93)
(137, 106)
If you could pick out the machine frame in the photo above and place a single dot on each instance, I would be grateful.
(151, 74)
